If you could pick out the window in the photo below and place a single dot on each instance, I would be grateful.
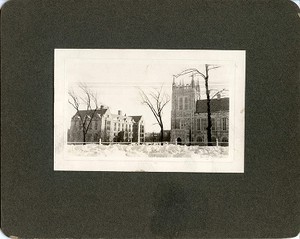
(199, 139)
(115, 126)
(213, 140)
(198, 125)
(122, 127)
(95, 137)
(180, 103)
(119, 126)
(177, 124)
(182, 124)
(186, 103)
(108, 125)
(224, 124)
(225, 140)
(203, 124)
(213, 124)
(142, 128)
(126, 127)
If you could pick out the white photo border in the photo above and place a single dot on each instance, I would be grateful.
(233, 164)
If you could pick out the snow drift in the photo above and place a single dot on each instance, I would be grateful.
(147, 151)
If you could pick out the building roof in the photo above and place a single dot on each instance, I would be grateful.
(136, 118)
(216, 105)
(90, 112)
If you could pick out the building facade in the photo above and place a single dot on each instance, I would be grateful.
(189, 116)
(106, 126)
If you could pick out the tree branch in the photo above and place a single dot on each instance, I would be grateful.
(156, 104)
(89, 99)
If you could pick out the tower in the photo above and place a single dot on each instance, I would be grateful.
(184, 97)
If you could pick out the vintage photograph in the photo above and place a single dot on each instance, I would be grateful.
(149, 110)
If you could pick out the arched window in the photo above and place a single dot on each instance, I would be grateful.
(179, 141)
(95, 137)
(224, 139)
(199, 139)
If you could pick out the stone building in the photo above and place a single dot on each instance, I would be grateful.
(189, 116)
(107, 126)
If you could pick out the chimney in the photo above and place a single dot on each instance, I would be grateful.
(119, 112)
(101, 107)
(218, 96)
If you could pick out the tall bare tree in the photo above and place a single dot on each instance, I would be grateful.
(205, 75)
(88, 101)
(209, 123)
(156, 102)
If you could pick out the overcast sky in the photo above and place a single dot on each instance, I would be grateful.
(117, 82)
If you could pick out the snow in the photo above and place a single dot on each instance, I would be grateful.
(148, 151)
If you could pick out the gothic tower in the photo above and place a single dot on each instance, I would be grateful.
(184, 97)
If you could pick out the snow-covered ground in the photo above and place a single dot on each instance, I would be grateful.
(147, 151)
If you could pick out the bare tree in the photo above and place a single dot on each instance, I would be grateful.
(205, 75)
(156, 101)
(89, 102)
(209, 123)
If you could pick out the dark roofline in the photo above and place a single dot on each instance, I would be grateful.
(216, 105)
(90, 112)
(136, 117)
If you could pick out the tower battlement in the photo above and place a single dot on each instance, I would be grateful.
(179, 83)
(178, 86)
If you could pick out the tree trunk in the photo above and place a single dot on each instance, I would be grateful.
(161, 134)
(84, 134)
(209, 143)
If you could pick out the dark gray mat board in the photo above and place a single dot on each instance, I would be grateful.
(39, 202)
